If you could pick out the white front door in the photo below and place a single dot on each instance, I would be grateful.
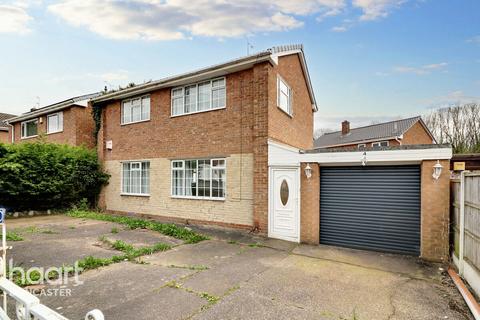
(284, 204)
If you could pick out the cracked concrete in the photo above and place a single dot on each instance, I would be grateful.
(272, 280)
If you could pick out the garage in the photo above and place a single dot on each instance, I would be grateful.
(371, 207)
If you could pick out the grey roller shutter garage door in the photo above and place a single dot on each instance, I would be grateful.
(375, 208)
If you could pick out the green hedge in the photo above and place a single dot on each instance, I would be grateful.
(44, 175)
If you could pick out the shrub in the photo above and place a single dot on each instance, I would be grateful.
(44, 175)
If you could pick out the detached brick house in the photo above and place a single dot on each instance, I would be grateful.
(68, 122)
(393, 133)
(232, 145)
(5, 136)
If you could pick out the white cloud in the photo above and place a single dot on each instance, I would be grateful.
(422, 70)
(475, 40)
(178, 19)
(375, 9)
(339, 29)
(457, 97)
(14, 19)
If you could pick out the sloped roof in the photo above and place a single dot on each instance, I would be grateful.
(216, 70)
(386, 130)
(78, 101)
(3, 120)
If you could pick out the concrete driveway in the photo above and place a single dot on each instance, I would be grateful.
(233, 276)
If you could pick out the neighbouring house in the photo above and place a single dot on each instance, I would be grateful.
(232, 145)
(5, 128)
(393, 133)
(69, 122)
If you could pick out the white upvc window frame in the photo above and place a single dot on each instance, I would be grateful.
(141, 106)
(181, 95)
(379, 143)
(288, 109)
(183, 169)
(23, 132)
(361, 146)
(59, 116)
(140, 164)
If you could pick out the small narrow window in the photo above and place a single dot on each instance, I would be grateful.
(380, 144)
(284, 96)
(29, 128)
(55, 122)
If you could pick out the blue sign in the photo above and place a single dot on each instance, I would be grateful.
(3, 213)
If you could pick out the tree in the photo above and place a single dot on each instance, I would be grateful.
(457, 125)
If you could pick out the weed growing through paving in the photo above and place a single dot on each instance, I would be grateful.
(172, 230)
(13, 236)
(114, 230)
(195, 267)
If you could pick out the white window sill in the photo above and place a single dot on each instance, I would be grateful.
(140, 121)
(29, 137)
(202, 111)
(288, 114)
(198, 198)
(135, 194)
(55, 132)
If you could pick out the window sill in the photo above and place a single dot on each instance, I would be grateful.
(135, 194)
(288, 114)
(55, 132)
(202, 111)
(128, 123)
(29, 137)
(197, 198)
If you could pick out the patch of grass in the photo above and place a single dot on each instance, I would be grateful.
(190, 267)
(13, 236)
(130, 252)
(71, 227)
(232, 242)
(48, 231)
(172, 230)
(31, 229)
(114, 230)
(210, 298)
(255, 245)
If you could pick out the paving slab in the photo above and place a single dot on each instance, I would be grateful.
(142, 237)
(231, 273)
(402, 264)
(206, 253)
(56, 252)
(120, 285)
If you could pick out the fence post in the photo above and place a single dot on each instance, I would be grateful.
(462, 224)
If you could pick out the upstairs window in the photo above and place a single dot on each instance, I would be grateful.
(284, 96)
(362, 146)
(136, 110)
(202, 96)
(55, 122)
(380, 144)
(203, 179)
(29, 128)
(136, 178)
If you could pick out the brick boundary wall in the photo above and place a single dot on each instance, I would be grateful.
(435, 212)
(310, 205)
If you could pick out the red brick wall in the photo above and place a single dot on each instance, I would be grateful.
(435, 206)
(417, 135)
(310, 205)
(295, 130)
(5, 137)
(77, 128)
(205, 134)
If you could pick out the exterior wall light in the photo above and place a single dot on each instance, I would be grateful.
(437, 170)
(308, 171)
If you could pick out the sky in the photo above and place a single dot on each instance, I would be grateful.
(369, 60)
